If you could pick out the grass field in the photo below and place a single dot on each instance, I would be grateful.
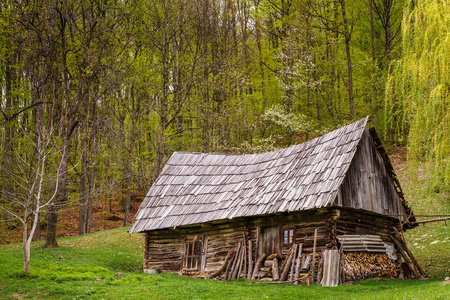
(88, 267)
(108, 265)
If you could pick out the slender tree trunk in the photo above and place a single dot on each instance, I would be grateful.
(9, 126)
(26, 247)
(261, 64)
(61, 199)
(83, 187)
(347, 36)
(374, 61)
(52, 220)
(37, 232)
(388, 35)
(127, 200)
(90, 201)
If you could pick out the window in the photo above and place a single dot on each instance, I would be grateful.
(288, 236)
(192, 254)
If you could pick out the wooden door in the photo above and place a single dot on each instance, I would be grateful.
(271, 240)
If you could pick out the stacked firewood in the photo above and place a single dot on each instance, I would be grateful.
(361, 265)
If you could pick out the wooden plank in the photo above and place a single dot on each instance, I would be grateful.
(287, 265)
(331, 263)
(313, 267)
(250, 259)
(235, 265)
(298, 264)
(293, 262)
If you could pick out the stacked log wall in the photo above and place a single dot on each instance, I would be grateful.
(163, 253)
(354, 222)
(219, 244)
(164, 249)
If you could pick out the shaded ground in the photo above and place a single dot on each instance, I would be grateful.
(106, 214)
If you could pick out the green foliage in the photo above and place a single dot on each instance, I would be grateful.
(418, 92)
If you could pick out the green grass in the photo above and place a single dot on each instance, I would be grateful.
(86, 267)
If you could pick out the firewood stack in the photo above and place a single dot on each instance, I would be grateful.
(362, 265)
(330, 237)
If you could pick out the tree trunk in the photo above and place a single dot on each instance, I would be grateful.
(83, 188)
(374, 74)
(61, 198)
(90, 200)
(52, 220)
(37, 233)
(8, 145)
(347, 36)
(127, 201)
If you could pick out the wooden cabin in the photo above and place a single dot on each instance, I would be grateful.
(324, 211)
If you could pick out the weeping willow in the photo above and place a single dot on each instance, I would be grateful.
(418, 89)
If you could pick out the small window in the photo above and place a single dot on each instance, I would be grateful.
(192, 254)
(288, 236)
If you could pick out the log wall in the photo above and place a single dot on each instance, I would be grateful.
(163, 253)
(165, 248)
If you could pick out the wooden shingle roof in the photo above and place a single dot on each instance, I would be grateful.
(196, 187)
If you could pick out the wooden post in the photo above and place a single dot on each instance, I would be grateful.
(242, 260)
(298, 264)
(258, 265)
(244, 257)
(250, 259)
(293, 262)
(287, 265)
(275, 269)
(236, 262)
(227, 270)
(313, 267)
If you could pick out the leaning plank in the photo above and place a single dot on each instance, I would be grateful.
(250, 259)
(226, 276)
(287, 266)
(244, 257)
(293, 262)
(241, 263)
(224, 266)
(235, 267)
(258, 265)
(313, 267)
(298, 264)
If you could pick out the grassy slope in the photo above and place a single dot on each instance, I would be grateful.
(85, 267)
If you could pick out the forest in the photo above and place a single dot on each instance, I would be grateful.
(97, 94)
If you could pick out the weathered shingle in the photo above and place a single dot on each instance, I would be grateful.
(197, 187)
